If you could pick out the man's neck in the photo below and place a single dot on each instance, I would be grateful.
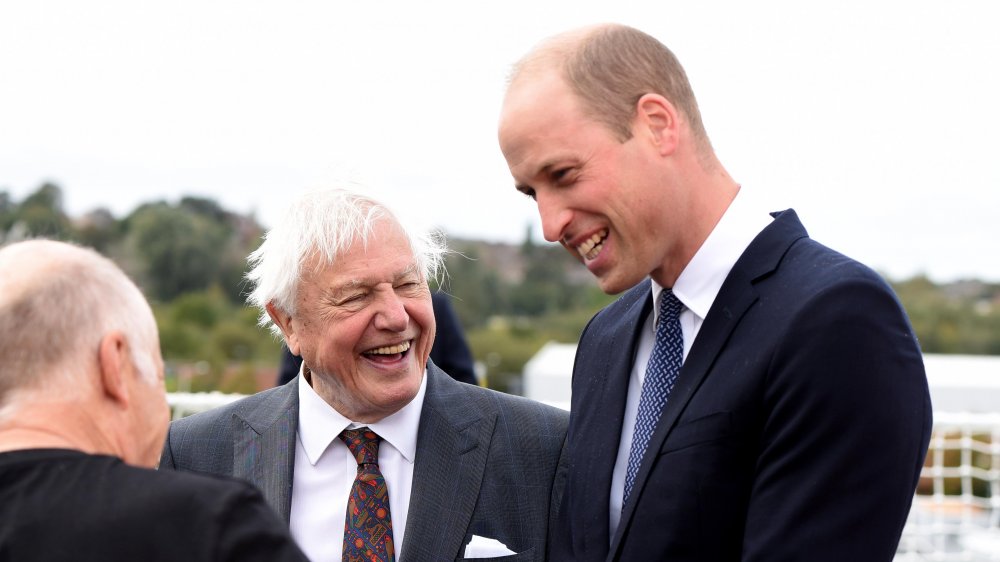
(58, 426)
(18, 438)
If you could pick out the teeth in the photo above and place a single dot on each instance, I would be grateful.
(390, 349)
(592, 246)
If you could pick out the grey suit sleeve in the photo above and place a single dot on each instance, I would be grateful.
(167, 457)
(200, 443)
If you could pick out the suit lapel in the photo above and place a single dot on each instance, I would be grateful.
(453, 442)
(264, 444)
(601, 377)
(735, 298)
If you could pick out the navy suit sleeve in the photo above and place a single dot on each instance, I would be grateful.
(848, 420)
(450, 351)
(290, 366)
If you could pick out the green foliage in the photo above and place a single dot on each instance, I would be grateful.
(237, 341)
(179, 248)
(39, 215)
(8, 213)
(214, 343)
(962, 317)
(241, 380)
(202, 309)
(546, 286)
(190, 258)
(477, 292)
(506, 344)
(48, 196)
(99, 230)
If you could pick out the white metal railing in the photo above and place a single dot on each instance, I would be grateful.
(187, 403)
(956, 511)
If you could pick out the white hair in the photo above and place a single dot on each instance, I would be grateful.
(57, 301)
(326, 223)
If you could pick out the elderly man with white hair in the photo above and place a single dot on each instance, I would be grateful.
(372, 452)
(83, 417)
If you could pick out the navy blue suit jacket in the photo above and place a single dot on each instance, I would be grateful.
(796, 429)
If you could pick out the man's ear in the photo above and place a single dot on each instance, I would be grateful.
(283, 321)
(114, 362)
(657, 119)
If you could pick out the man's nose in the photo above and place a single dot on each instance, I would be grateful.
(391, 314)
(555, 216)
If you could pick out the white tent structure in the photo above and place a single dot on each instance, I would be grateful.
(547, 375)
(958, 383)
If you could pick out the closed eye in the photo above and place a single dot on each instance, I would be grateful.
(527, 191)
(562, 176)
(351, 298)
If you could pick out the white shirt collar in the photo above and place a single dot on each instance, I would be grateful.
(700, 281)
(320, 424)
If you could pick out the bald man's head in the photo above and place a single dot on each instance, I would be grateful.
(57, 301)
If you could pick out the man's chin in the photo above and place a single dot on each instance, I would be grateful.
(613, 284)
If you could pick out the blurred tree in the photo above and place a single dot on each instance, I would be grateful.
(546, 287)
(959, 317)
(41, 213)
(8, 213)
(190, 258)
(203, 309)
(48, 196)
(98, 229)
(236, 340)
(205, 207)
(477, 292)
(178, 248)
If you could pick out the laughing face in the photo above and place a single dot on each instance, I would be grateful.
(608, 202)
(364, 326)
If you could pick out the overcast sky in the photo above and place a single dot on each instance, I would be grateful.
(877, 121)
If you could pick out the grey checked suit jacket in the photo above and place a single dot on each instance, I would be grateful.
(487, 463)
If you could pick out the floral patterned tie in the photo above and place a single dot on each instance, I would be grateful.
(368, 526)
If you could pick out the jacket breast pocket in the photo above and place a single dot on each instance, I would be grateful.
(525, 556)
(705, 429)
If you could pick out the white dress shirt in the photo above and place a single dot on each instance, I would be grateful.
(696, 287)
(325, 471)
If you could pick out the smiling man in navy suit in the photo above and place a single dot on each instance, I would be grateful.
(788, 414)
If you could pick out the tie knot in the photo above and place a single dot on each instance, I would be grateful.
(670, 306)
(363, 443)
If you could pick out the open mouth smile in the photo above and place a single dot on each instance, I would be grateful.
(591, 247)
(389, 351)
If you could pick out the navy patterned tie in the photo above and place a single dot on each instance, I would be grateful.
(368, 527)
(664, 364)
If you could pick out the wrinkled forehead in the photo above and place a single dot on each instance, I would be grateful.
(386, 237)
